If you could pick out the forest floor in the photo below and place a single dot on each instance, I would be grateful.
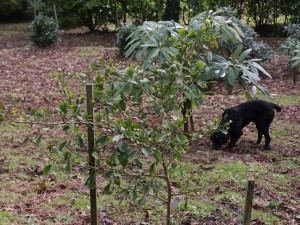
(29, 197)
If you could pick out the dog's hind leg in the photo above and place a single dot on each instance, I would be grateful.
(268, 139)
(260, 134)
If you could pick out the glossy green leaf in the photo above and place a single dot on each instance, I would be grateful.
(182, 138)
(123, 147)
(47, 169)
(62, 145)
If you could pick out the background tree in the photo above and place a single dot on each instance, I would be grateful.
(13, 9)
(172, 10)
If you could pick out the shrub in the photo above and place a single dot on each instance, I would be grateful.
(291, 47)
(260, 50)
(122, 35)
(45, 31)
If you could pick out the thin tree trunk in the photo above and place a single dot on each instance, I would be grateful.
(55, 14)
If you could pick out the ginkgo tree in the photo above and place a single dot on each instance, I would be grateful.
(193, 57)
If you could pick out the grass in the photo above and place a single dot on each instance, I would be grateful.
(14, 28)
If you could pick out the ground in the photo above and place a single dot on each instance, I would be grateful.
(29, 197)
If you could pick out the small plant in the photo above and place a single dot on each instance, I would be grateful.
(122, 35)
(45, 31)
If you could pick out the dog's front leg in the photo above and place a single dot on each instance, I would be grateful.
(234, 137)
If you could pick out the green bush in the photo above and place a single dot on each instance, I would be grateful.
(45, 31)
(291, 47)
(260, 50)
(122, 35)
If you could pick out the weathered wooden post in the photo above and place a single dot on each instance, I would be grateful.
(248, 203)
(91, 146)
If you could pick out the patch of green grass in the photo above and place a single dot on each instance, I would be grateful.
(235, 171)
(13, 128)
(282, 99)
(82, 202)
(88, 51)
(231, 196)
(6, 218)
(200, 208)
(61, 219)
(286, 133)
(13, 28)
(267, 217)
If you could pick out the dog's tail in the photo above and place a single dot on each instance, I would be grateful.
(277, 107)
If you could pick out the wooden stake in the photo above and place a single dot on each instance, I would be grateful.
(91, 146)
(249, 200)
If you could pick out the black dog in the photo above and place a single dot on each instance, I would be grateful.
(257, 111)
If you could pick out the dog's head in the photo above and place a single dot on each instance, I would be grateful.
(218, 139)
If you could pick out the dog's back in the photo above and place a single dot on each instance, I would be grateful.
(252, 111)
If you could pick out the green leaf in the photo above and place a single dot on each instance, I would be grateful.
(62, 145)
(68, 166)
(244, 54)
(132, 155)
(67, 155)
(47, 169)
(147, 45)
(108, 174)
(25, 140)
(91, 182)
(98, 117)
(152, 54)
(38, 140)
(106, 189)
(63, 107)
(231, 77)
(182, 138)
(146, 151)
(145, 189)
(259, 67)
(296, 63)
(132, 48)
(130, 71)
(134, 195)
(152, 169)
(123, 147)
(80, 141)
(209, 57)
(157, 155)
(117, 181)
(264, 91)
(160, 137)
(236, 53)
(138, 163)
(102, 140)
(123, 159)
(66, 128)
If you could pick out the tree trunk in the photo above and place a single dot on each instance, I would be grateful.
(172, 10)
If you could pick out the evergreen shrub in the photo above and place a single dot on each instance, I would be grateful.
(45, 31)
